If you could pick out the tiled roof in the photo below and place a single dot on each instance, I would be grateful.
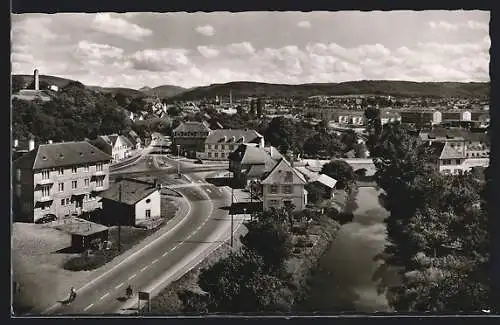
(192, 127)
(62, 154)
(449, 153)
(82, 227)
(132, 191)
(453, 133)
(288, 166)
(233, 136)
(326, 180)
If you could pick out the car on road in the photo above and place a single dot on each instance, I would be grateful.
(47, 218)
(198, 161)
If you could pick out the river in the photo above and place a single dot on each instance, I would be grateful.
(343, 280)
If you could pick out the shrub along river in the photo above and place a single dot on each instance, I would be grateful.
(343, 279)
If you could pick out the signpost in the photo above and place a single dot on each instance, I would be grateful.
(144, 296)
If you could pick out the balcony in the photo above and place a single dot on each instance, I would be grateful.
(99, 173)
(45, 181)
(45, 198)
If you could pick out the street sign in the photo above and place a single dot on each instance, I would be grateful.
(143, 295)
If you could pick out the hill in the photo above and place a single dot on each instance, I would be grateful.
(379, 87)
(118, 90)
(164, 91)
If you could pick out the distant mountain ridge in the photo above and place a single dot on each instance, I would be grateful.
(248, 88)
(365, 87)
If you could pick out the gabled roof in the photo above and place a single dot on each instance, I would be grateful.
(453, 133)
(62, 154)
(449, 153)
(233, 136)
(132, 191)
(283, 163)
(312, 177)
(192, 126)
(326, 180)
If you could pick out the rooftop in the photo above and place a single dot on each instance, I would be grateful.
(192, 127)
(132, 191)
(233, 136)
(62, 154)
(81, 227)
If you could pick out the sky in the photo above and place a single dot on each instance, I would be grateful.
(195, 49)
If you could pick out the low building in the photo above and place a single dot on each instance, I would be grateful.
(389, 116)
(454, 161)
(337, 116)
(420, 116)
(84, 234)
(250, 163)
(118, 146)
(131, 202)
(220, 143)
(320, 180)
(59, 178)
(456, 115)
(191, 137)
(284, 186)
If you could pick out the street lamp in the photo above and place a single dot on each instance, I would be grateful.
(179, 160)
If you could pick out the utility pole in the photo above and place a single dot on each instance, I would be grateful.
(119, 220)
(231, 209)
(179, 160)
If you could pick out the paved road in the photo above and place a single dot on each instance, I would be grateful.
(164, 260)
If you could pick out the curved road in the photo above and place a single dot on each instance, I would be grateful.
(206, 227)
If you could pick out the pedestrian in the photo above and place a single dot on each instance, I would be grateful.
(72, 294)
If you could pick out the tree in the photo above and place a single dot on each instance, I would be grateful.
(17, 84)
(173, 110)
(342, 172)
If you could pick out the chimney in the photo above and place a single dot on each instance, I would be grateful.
(31, 145)
(16, 143)
(36, 79)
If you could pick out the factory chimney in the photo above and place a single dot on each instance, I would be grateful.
(36, 80)
(230, 97)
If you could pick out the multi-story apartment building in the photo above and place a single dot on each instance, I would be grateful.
(190, 136)
(336, 115)
(220, 143)
(420, 116)
(118, 146)
(284, 186)
(59, 178)
(456, 115)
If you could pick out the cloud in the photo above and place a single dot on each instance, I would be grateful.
(207, 51)
(304, 24)
(89, 50)
(478, 25)
(164, 59)
(243, 48)
(443, 25)
(206, 30)
(104, 22)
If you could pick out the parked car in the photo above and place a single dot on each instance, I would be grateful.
(47, 218)
(198, 161)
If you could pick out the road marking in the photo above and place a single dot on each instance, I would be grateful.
(132, 276)
(131, 256)
(104, 296)
(118, 286)
(165, 254)
(154, 261)
(145, 268)
(88, 307)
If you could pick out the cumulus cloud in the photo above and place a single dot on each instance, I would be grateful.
(304, 24)
(164, 59)
(208, 51)
(206, 30)
(443, 25)
(97, 51)
(104, 22)
(243, 48)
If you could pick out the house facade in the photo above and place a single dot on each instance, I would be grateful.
(131, 202)
(420, 116)
(60, 178)
(284, 186)
(456, 115)
(389, 116)
(191, 137)
(220, 143)
(118, 146)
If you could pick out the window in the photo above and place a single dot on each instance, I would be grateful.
(288, 176)
(99, 167)
(148, 213)
(74, 184)
(86, 182)
(287, 189)
(18, 174)
(79, 204)
(273, 202)
(273, 189)
(216, 155)
(100, 182)
(216, 146)
(67, 200)
(231, 147)
(287, 203)
(73, 170)
(209, 155)
(62, 201)
(45, 174)
(60, 171)
(86, 168)
(61, 187)
(45, 191)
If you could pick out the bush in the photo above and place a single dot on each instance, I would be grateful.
(85, 262)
